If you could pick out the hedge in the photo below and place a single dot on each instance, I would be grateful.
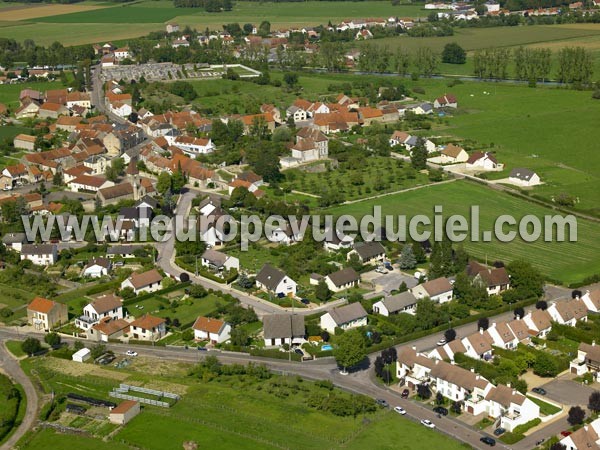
(518, 433)
(102, 287)
(207, 274)
(274, 353)
(175, 287)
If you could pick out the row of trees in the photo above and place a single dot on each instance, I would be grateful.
(208, 5)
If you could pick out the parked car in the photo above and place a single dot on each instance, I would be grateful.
(441, 342)
(388, 265)
(400, 410)
(441, 410)
(381, 269)
(131, 353)
(428, 423)
(499, 431)
(405, 393)
(566, 433)
(540, 442)
(539, 390)
(488, 440)
(299, 351)
(382, 402)
(305, 301)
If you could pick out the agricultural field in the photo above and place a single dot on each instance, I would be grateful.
(239, 411)
(457, 198)
(9, 93)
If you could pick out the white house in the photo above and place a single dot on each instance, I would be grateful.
(338, 241)
(214, 330)
(483, 161)
(274, 280)
(342, 279)
(106, 306)
(404, 302)
(149, 281)
(82, 355)
(512, 407)
(588, 360)
(192, 146)
(503, 336)
(539, 321)
(446, 101)
(568, 312)
(494, 279)
(344, 317)
(423, 109)
(44, 314)
(492, 6)
(586, 438)
(439, 290)
(452, 154)
(218, 261)
(524, 177)
(591, 299)
(120, 109)
(14, 241)
(40, 254)
(368, 252)
(148, 328)
(279, 329)
(478, 345)
(284, 235)
(97, 267)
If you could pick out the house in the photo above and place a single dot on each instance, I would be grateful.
(149, 281)
(24, 142)
(44, 314)
(344, 317)
(495, 279)
(14, 241)
(586, 438)
(106, 306)
(364, 34)
(311, 145)
(492, 6)
(192, 146)
(338, 241)
(279, 329)
(452, 154)
(214, 330)
(445, 101)
(89, 183)
(404, 302)
(588, 360)
(172, 28)
(218, 261)
(40, 254)
(121, 251)
(284, 235)
(108, 328)
(82, 355)
(521, 331)
(274, 280)
(568, 312)
(439, 290)
(539, 322)
(502, 336)
(52, 111)
(97, 267)
(478, 345)
(342, 279)
(460, 385)
(512, 407)
(123, 413)
(483, 161)
(524, 177)
(27, 110)
(148, 328)
(592, 300)
(368, 252)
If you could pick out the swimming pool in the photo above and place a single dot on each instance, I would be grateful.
(326, 347)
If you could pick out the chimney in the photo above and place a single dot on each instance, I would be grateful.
(594, 343)
(453, 362)
(514, 392)
(508, 385)
(437, 361)
(414, 347)
(477, 377)
(481, 331)
(473, 369)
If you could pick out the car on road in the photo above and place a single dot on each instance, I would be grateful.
(539, 390)
(441, 410)
(566, 433)
(540, 442)
(428, 423)
(441, 342)
(305, 301)
(488, 440)
(382, 402)
(405, 393)
(498, 431)
(400, 410)
(131, 353)
(299, 351)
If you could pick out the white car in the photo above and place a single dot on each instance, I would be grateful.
(427, 423)
(131, 353)
(441, 342)
(381, 269)
(400, 410)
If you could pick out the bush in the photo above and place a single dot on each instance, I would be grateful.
(31, 346)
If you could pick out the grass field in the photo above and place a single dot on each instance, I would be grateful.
(9, 93)
(22, 12)
(15, 348)
(16, 299)
(566, 261)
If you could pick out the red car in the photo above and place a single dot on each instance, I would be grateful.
(566, 433)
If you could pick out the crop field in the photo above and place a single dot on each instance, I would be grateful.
(565, 261)
(16, 12)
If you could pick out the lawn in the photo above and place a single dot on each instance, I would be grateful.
(545, 408)
(9, 93)
(457, 198)
(15, 348)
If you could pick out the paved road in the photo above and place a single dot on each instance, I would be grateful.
(9, 365)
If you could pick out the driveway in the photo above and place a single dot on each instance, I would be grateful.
(386, 283)
(569, 392)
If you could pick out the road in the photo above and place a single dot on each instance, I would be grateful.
(11, 367)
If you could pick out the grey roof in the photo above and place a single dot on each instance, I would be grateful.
(347, 313)
(399, 301)
(148, 200)
(426, 106)
(14, 238)
(270, 276)
(214, 257)
(344, 276)
(412, 141)
(102, 262)
(38, 249)
(121, 250)
(522, 174)
(283, 326)
(369, 250)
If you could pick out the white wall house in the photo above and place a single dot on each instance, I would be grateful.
(342, 279)
(40, 254)
(274, 280)
(97, 267)
(439, 290)
(214, 330)
(106, 306)
(148, 328)
(344, 317)
(149, 281)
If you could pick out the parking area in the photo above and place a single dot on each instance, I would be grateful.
(386, 283)
(568, 392)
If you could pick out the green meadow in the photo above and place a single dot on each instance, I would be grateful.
(567, 262)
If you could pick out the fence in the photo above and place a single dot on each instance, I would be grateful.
(121, 392)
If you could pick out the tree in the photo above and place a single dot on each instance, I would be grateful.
(423, 391)
(594, 402)
(291, 79)
(322, 292)
(450, 335)
(519, 313)
(239, 337)
(558, 446)
(407, 257)
(425, 61)
(439, 399)
(164, 182)
(418, 155)
(541, 304)
(483, 323)
(31, 346)
(78, 345)
(576, 415)
(351, 349)
(525, 282)
(454, 54)
(379, 366)
(52, 339)
(97, 350)
(545, 365)
(456, 407)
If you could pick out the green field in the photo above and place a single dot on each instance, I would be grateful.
(15, 348)
(566, 261)
(9, 93)
(16, 299)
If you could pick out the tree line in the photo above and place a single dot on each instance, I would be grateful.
(208, 5)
